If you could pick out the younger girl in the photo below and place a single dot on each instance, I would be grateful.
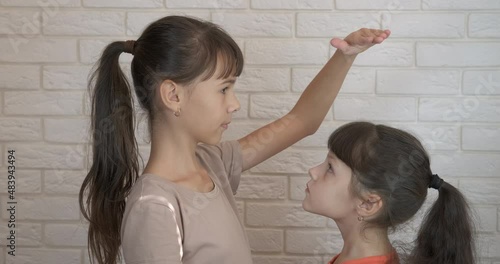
(376, 177)
(181, 209)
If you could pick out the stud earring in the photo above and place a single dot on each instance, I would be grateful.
(178, 112)
(360, 218)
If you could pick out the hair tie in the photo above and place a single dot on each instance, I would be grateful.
(436, 182)
(129, 46)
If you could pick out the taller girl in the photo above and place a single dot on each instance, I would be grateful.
(181, 209)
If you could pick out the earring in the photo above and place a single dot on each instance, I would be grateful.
(178, 112)
(360, 218)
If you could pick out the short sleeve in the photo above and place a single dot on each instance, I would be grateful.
(224, 156)
(151, 233)
(233, 161)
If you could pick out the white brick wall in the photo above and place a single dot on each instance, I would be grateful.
(438, 76)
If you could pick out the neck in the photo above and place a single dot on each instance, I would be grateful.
(172, 154)
(361, 243)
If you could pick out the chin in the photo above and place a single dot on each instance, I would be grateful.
(305, 206)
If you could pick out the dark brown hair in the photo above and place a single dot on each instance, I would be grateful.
(393, 164)
(184, 50)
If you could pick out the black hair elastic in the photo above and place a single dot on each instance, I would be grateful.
(436, 182)
(129, 46)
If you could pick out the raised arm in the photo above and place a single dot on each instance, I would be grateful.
(313, 105)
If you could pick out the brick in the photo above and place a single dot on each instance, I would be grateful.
(425, 25)
(290, 161)
(357, 80)
(488, 245)
(375, 108)
(487, 217)
(292, 4)
(65, 235)
(286, 52)
(63, 181)
(20, 77)
(232, 4)
(124, 3)
(320, 137)
(43, 103)
(298, 187)
(484, 25)
(48, 6)
(17, 129)
(387, 54)
(467, 165)
(312, 242)
(481, 83)
(20, 22)
(103, 23)
(265, 240)
(138, 21)
(274, 106)
(264, 80)
(466, 54)
(460, 4)
(66, 77)
(91, 50)
(46, 208)
(21, 49)
(33, 255)
(286, 260)
(244, 106)
(26, 234)
(385, 5)
(27, 181)
(418, 82)
(481, 138)
(281, 215)
(467, 109)
(262, 187)
(75, 130)
(333, 24)
(255, 24)
(49, 156)
(483, 192)
(434, 136)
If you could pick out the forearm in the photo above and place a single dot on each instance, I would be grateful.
(317, 98)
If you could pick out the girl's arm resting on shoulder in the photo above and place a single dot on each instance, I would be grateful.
(151, 234)
(313, 105)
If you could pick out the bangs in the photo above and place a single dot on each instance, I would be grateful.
(354, 144)
(223, 51)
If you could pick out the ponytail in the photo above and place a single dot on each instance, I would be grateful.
(446, 234)
(114, 166)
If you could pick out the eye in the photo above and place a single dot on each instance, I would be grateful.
(224, 90)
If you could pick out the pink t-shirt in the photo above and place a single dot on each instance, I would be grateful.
(391, 258)
(168, 223)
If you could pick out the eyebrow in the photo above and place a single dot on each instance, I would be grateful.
(229, 81)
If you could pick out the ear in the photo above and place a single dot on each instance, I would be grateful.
(171, 95)
(370, 205)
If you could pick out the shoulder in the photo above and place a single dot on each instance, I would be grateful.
(219, 150)
(150, 189)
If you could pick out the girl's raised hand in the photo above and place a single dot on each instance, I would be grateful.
(360, 40)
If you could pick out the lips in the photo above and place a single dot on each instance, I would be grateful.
(225, 125)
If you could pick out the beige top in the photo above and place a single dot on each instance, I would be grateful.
(167, 223)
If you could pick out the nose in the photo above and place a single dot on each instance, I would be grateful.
(313, 172)
(234, 105)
